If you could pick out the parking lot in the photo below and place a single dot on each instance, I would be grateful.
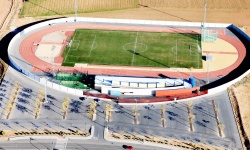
(50, 115)
(169, 120)
(204, 122)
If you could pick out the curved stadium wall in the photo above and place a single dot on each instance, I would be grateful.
(211, 89)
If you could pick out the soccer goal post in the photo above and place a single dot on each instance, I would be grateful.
(70, 43)
(208, 35)
(188, 51)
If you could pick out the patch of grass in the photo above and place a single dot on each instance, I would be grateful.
(22, 11)
(131, 48)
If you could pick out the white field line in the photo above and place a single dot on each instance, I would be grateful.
(199, 50)
(187, 60)
(176, 51)
(179, 43)
(75, 49)
(134, 49)
(70, 47)
(92, 46)
(70, 43)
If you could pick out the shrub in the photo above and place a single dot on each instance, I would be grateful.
(61, 132)
(2, 133)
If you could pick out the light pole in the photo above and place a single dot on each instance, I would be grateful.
(205, 12)
(136, 112)
(207, 72)
(30, 139)
(75, 10)
(85, 128)
(208, 59)
(52, 146)
(45, 91)
(65, 144)
(148, 116)
(136, 104)
(53, 59)
(203, 31)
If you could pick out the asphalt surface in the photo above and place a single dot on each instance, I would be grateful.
(72, 144)
(177, 124)
(122, 119)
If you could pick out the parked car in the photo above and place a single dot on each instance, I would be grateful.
(127, 147)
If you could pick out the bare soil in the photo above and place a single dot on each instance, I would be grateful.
(43, 7)
(4, 10)
(240, 95)
(237, 17)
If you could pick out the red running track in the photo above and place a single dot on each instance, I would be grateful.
(28, 46)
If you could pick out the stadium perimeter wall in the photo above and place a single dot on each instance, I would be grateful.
(136, 92)
(245, 67)
(11, 50)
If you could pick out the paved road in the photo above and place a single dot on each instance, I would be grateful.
(72, 144)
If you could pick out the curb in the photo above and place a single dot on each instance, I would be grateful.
(137, 142)
(53, 137)
(28, 137)
(85, 138)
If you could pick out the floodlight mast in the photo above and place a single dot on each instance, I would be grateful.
(45, 91)
(205, 12)
(52, 60)
(207, 59)
(76, 9)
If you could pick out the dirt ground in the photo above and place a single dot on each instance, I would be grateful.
(239, 96)
(237, 17)
(218, 11)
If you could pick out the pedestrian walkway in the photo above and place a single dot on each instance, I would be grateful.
(61, 144)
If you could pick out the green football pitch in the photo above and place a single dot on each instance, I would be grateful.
(133, 48)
